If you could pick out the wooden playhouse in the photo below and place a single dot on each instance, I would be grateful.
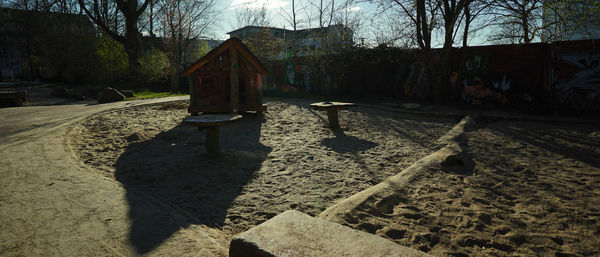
(226, 80)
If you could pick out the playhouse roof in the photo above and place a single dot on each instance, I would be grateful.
(232, 42)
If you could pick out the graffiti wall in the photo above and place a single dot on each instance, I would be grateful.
(539, 75)
(290, 75)
(481, 85)
(575, 75)
(502, 75)
(562, 74)
(354, 72)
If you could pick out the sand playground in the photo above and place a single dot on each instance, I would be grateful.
(517, 188)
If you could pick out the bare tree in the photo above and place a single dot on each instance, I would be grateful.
(427, 15)
(149, 21)
(252, 17)
(452, 10)
(473, 10)
(389, 25)
(151, 16)
(423, 14)
(131, 11)
(291, 17)
(66, 6)
(183, 21)
(564, 19)
(261, 41)
(265, 45)
(322, 10)
(349, 21)
(391, 29)
(519, 21)
(60, 6)
(30, 5)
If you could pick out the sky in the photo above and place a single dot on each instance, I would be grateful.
(276, 9)
(371, 20)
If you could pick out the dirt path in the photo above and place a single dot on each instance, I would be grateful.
(50, 205)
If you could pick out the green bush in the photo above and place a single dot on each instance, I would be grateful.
(154, 65)
(195, 52)
(113, 59)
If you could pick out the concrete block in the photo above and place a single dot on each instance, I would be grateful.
(293, 233)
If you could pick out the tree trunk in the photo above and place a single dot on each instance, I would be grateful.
(176, 70)
(423, 35)
(30, 75)
(131, 35)
(152, 18)
(467, 23)
(424, 41)
(525, 21)
(131, 41)
(175, 79)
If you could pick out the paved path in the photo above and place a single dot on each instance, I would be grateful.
(51, 205)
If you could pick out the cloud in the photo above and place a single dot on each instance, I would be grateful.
(256, 4)
(354, 8)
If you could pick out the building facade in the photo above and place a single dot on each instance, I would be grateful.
(277, 43)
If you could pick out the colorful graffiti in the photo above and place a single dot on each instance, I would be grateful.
(294, 77)
(479, 85)
(414, 83)
(576, 78)
(290, 73)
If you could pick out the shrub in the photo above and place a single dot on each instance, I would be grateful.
(112, 57)
(153, 65)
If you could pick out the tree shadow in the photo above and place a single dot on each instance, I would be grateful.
(170, 182)
(461, 164)
(412, 127)
(343, 143)
(553, 138)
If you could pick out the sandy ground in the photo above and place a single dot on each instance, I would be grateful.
(526, 189)
(135, 181)
(287, 159)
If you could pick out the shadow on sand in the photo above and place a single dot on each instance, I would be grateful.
(569, 140)
(171, 183)
(343, 143)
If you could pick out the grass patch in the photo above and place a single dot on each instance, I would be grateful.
(147, 94)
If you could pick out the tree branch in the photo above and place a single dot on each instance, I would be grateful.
(99, 22)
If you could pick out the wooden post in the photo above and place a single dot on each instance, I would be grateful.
(332, 116)
(212, 141)
(192, 85)
(234, 78)
(259, 100)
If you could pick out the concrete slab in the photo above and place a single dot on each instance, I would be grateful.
(293, 233)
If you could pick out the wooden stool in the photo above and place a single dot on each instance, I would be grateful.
(211, 122)
(332, 111)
